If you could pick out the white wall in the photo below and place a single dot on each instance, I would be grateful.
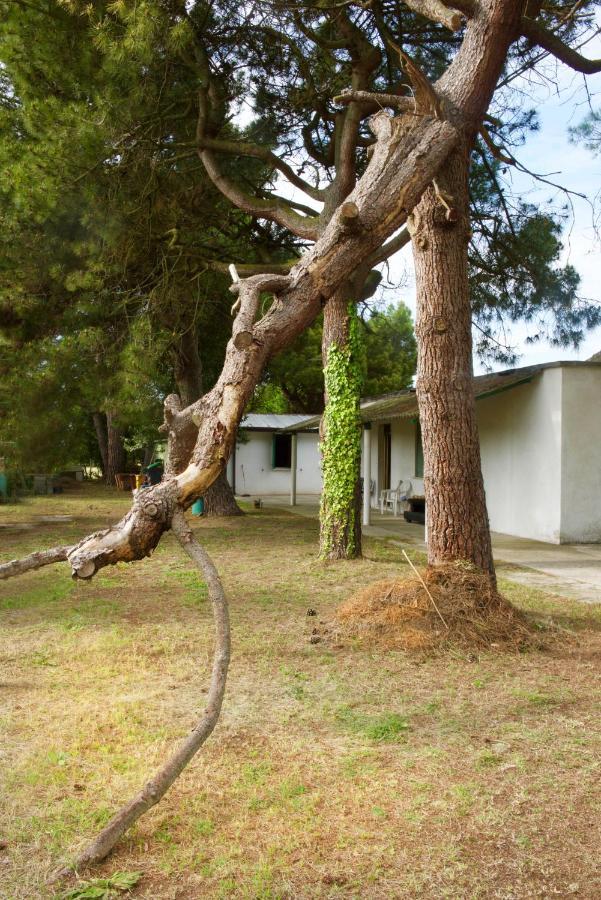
(254, 472)
(581, 454)
(520, 442)
(541, 457)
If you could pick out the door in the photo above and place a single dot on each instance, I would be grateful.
(384, 452)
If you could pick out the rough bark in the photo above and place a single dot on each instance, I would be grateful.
(159, 784)
(33, 561)
(340, 434)
(455, 503)
(99, 420)
(115, 456)
(219, 499)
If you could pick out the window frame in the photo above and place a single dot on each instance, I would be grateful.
(274, 438)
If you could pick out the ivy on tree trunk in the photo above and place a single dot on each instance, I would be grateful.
(340, 518)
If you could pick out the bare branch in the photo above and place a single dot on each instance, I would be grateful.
(496, 151)
(392, 246)
(437, 11)
(248, 269)
(274, 209)
(33, 561)
(158, 786)
(255, 151)
(556, 47)
(375, 100)
(247, 305)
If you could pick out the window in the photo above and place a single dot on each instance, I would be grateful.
(281, 451)
(419, 452)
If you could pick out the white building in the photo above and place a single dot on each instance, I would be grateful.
(266, 451)
(540, 438)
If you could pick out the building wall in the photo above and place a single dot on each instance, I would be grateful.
(541, 456)
(520, 442)
(255, 474)
(581, 454)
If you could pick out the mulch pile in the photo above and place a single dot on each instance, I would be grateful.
(459, 608)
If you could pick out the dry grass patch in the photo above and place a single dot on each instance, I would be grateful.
(334, 772)
(450, 605)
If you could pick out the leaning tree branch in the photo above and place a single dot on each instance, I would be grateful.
(34, 561)
(540, 35)
(406, 157)
(160, 783)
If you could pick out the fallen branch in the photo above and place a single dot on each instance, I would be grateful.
(33, 561)
(157, 787)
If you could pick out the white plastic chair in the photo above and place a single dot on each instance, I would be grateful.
(391, 497)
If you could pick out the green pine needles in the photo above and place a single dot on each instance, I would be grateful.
(341, 446)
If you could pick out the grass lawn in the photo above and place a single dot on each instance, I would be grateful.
(333, 772)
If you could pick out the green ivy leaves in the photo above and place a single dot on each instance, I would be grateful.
(341, 446)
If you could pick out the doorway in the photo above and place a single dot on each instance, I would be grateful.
(384, 454)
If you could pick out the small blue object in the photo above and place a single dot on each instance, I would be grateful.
(3, 485)
(198, 507)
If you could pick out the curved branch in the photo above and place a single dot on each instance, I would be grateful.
(317, 39)
(34, 561)
(276, 209)
(157, 787)
(255, 151)
(556, 47)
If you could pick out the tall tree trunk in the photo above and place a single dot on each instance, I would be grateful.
(455, 503)
(99, 420)
(340, 512)
(188, 368)
(148, 454)
(219, 498)
(115, 448)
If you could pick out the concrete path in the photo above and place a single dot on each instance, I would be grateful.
(570, 570)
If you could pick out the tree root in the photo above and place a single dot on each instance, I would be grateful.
(34, 561)
(156, 788)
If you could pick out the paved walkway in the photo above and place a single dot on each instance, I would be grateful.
(571, 570)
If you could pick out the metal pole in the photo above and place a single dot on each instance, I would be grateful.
(366, 472)
(293, 470)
